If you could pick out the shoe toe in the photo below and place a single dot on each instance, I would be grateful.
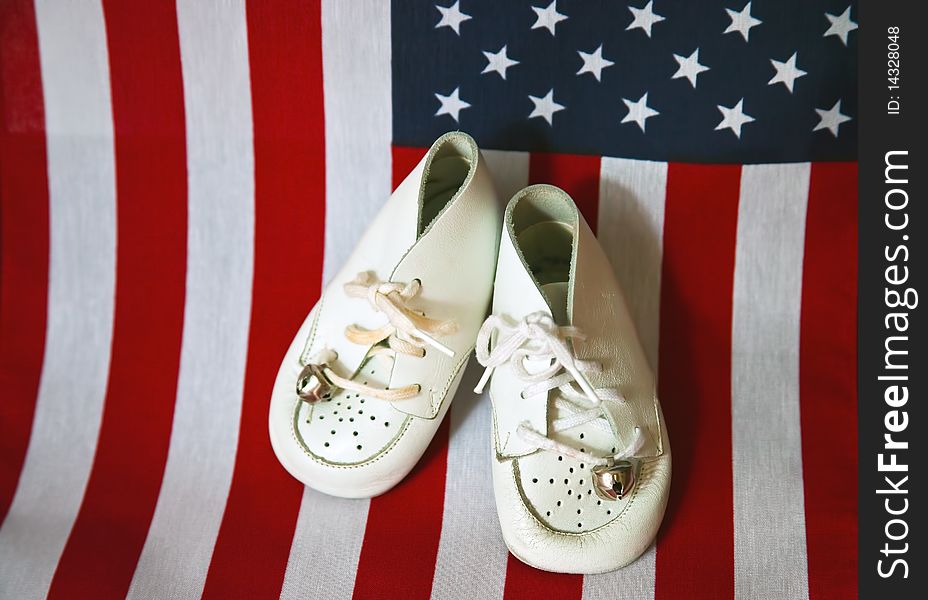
(553, 519)
(349, 445)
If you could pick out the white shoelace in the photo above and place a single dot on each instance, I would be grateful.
(407, 331)
(537, 338)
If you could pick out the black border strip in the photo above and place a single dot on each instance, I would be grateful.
(890, 263)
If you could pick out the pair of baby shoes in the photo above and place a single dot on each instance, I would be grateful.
(375, 365)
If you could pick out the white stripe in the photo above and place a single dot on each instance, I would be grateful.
(770, 546)
(82, 266)
(472, 556)
(631, 230)
(632, 194)
(326, 547)
(634, 582)
(509, 171)
(220, 251)
(358, 169)
(356, 71)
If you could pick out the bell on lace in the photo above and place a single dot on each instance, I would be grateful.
(312, 385)
(615, 479)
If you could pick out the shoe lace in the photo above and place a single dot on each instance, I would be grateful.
(407, 331)
(539, 340)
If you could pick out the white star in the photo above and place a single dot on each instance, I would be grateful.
(594, 62)
(547, 17)
(452, 17)
(841, 25)
(644, 18)
(689, 67)
(733, 118)
(545, 107)
(831, 119)
(638, 112)
(742, 21)
(451, 104)
(787, 72)
(498, 62)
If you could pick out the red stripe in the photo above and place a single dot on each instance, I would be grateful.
(578, 175)
(285, 55)
(523, 581)
(695, 552)
(23, 237)
(403, 526)
(405, 159)
(828, 380)
(151, 189)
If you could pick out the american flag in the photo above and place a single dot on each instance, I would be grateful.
(178, 179)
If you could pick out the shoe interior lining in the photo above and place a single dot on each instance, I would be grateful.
(539, 204)
(543, 222)
(547, 248)
(446, 174)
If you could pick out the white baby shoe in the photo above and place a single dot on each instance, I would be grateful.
(581, 467)
(372, 370)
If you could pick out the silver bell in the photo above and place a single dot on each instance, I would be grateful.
(615, 479)
(312, 385)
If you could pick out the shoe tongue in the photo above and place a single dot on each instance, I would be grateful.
(556, 295)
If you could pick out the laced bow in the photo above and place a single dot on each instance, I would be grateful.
(537, 341)
(407, 331)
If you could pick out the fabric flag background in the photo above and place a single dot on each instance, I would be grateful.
(178, 179)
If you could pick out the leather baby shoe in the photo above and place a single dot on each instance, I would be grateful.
(581, 466)
(372, 370)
